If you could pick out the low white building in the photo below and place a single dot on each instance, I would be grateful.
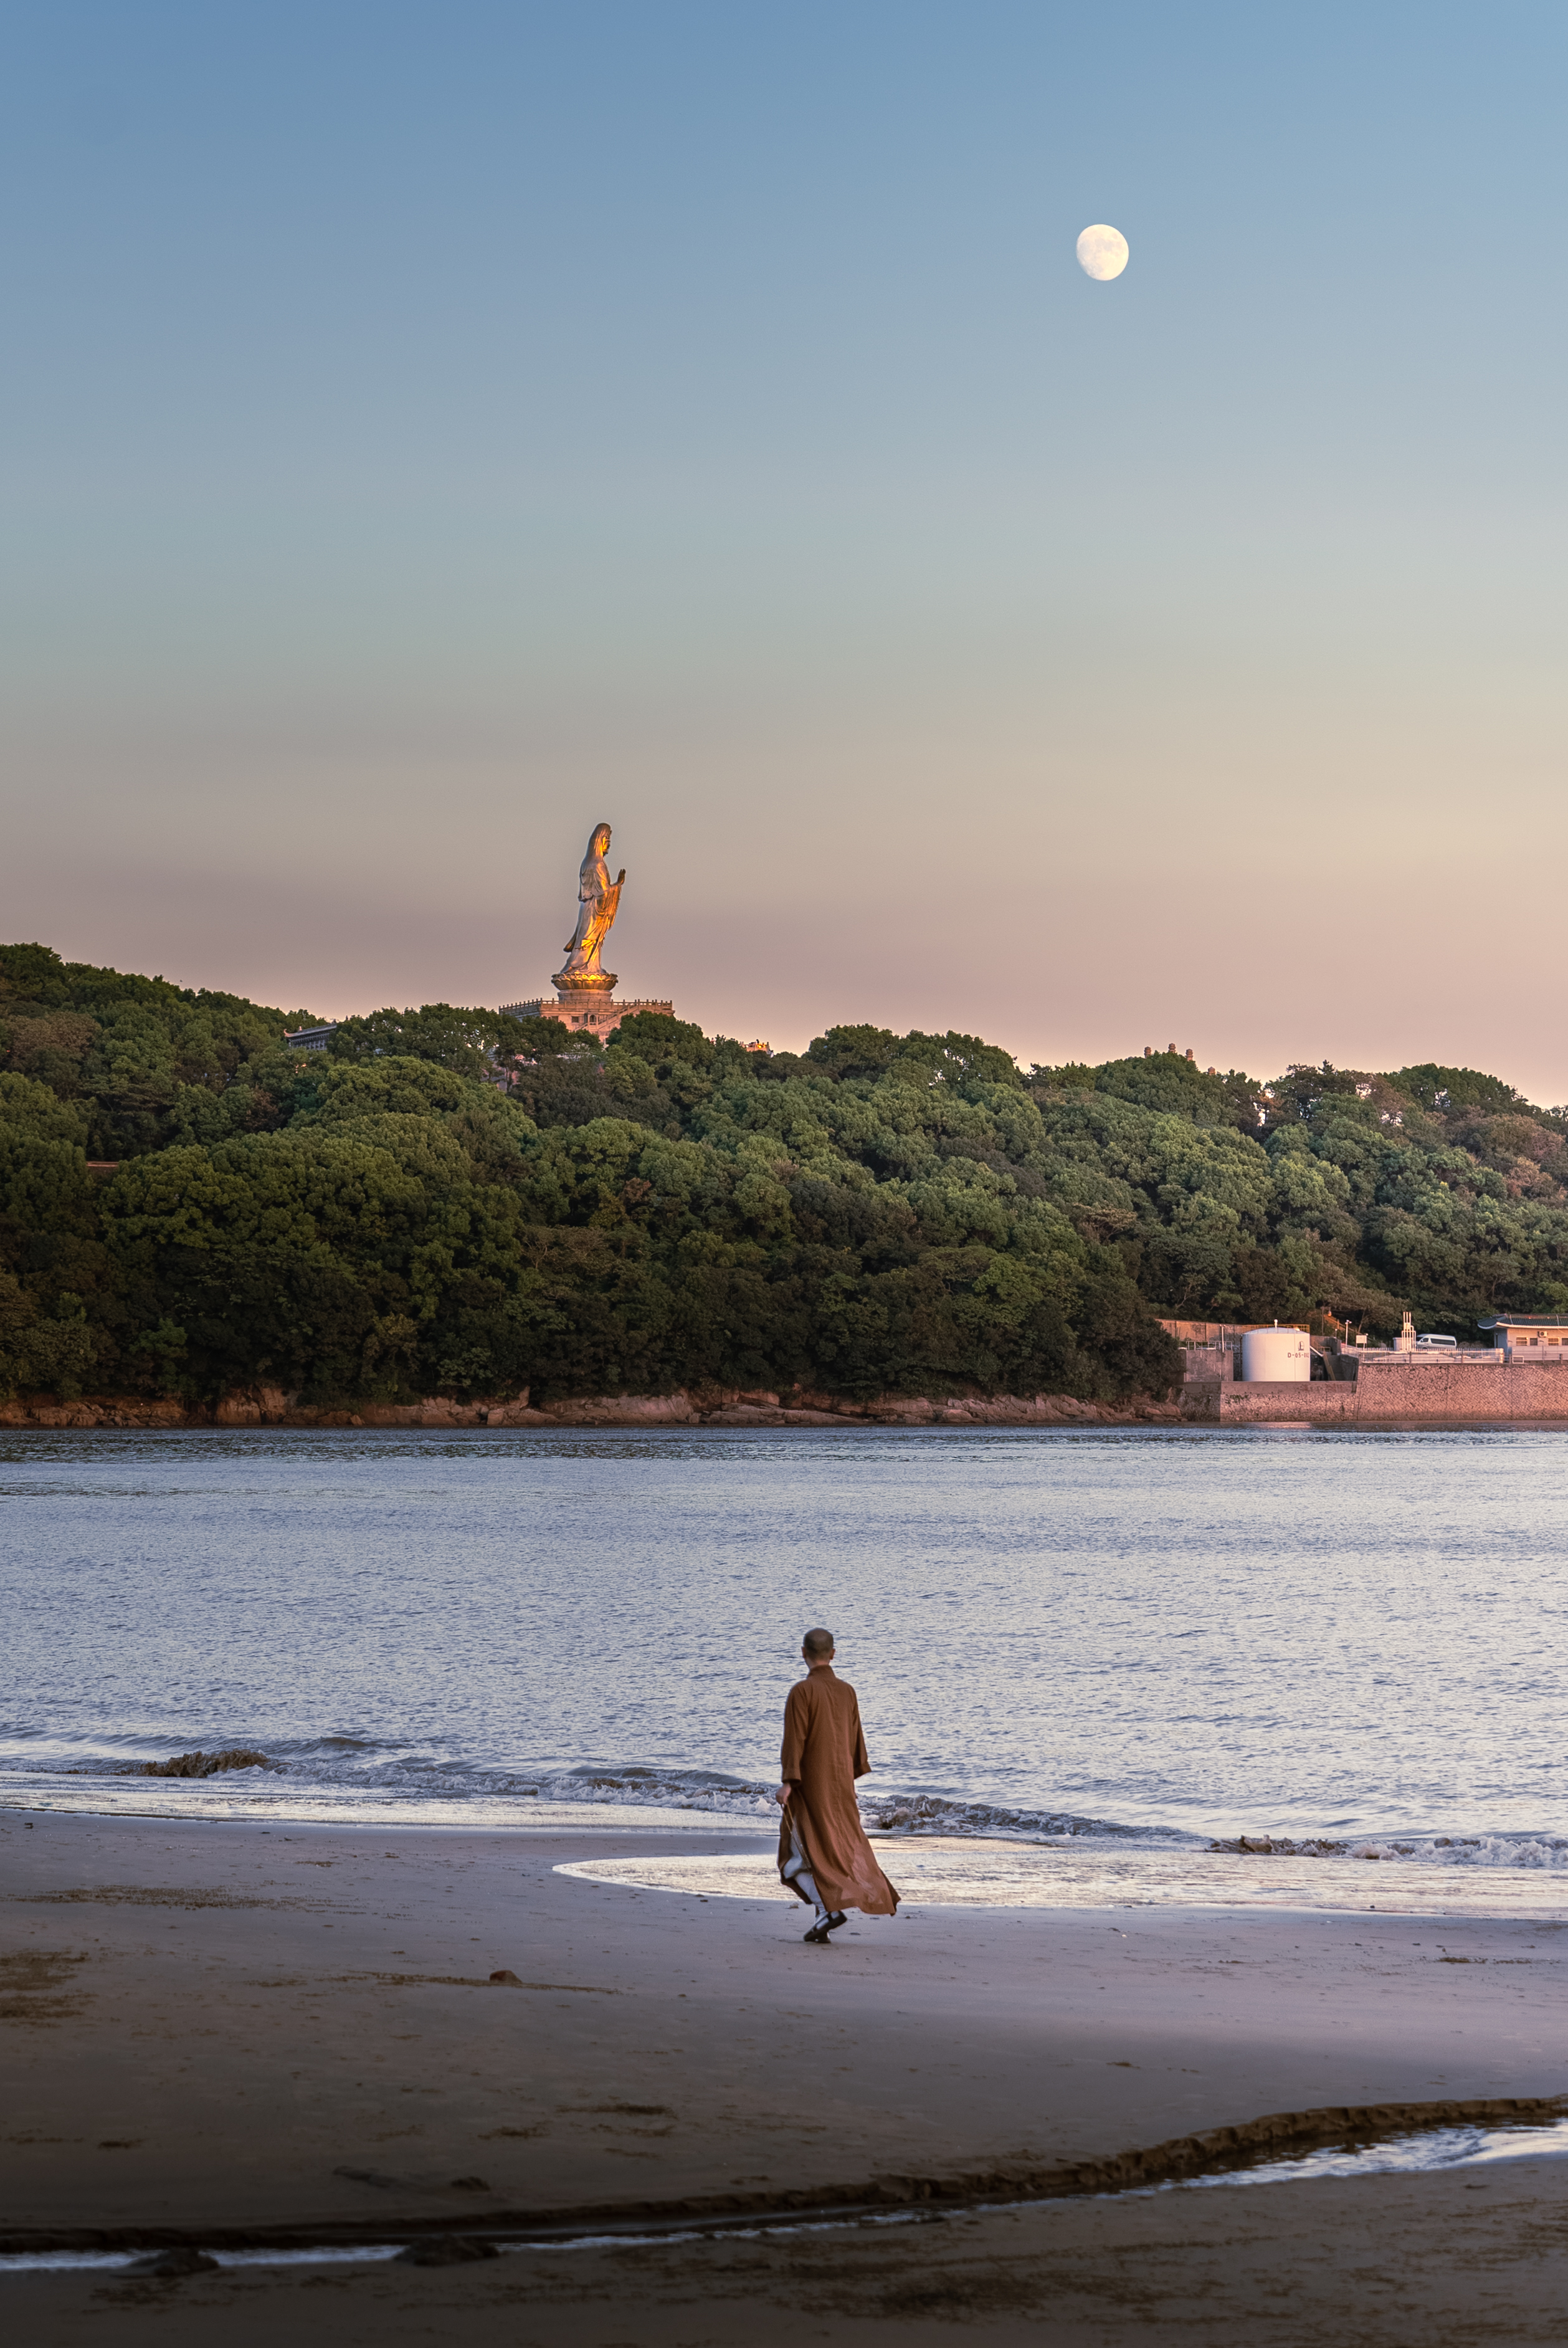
(1529, 1336)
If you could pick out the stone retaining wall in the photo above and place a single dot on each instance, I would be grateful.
(1390, 1390)
(1271, 1402)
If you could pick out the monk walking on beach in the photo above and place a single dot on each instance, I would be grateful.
(823, 1856)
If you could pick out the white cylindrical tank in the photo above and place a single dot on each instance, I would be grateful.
(1278, 1354)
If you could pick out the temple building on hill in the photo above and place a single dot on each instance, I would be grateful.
(585, 991)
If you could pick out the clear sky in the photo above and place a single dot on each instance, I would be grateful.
(430, 428)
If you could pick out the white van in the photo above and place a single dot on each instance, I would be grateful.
(1424, 1339)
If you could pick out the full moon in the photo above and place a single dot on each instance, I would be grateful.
(1103, 252)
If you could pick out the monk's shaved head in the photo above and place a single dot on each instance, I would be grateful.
(817, 1645)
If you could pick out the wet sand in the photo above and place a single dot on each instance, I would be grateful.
(221, 2030)
(1385, 2262)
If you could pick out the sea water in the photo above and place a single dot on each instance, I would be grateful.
(1155, 1636)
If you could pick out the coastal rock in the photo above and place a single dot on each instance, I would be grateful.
(203, 1765)
(512, 1413)
(624, 1410)
(252, 1406)
(42, 1410)
(264, 1405)
(1282, 1847)
(806, 1408)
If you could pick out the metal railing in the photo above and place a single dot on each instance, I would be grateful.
(1428, 1353)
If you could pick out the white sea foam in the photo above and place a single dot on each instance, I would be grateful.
(1469, 1850)
(1084, 1872)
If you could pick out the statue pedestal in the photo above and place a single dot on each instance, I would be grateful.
(587, 1005)
(585, 981)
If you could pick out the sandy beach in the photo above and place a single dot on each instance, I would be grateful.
(224, 2033)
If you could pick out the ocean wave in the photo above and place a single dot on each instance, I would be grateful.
(1432, 1850)
(890, 1813)
(339, 1765)
(349, 1762)
(342, 1763)
(937, 1814)
(664, 1789)
(1470, 1850)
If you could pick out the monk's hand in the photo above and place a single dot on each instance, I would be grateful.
(782, 1797)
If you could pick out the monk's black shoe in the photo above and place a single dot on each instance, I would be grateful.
(817, 1936)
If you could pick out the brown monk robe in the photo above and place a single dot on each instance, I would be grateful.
(824, 1752)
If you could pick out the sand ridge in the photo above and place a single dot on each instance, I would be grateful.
(1385, 2262)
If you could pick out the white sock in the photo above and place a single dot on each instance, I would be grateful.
(796, 1872)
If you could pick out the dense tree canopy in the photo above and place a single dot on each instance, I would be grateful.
(451, 1200)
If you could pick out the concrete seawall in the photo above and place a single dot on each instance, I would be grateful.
(1390, 1390)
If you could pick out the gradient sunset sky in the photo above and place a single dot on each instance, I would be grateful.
(429, 429)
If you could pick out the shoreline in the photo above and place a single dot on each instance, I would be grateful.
(277, 2036)
(268, 1409)
(1260, 1861)
(1325, 1412)
(356, 2059)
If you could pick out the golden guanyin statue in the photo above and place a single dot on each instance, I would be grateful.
(598, 898)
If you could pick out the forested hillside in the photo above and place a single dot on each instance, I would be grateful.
(881, 1213)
